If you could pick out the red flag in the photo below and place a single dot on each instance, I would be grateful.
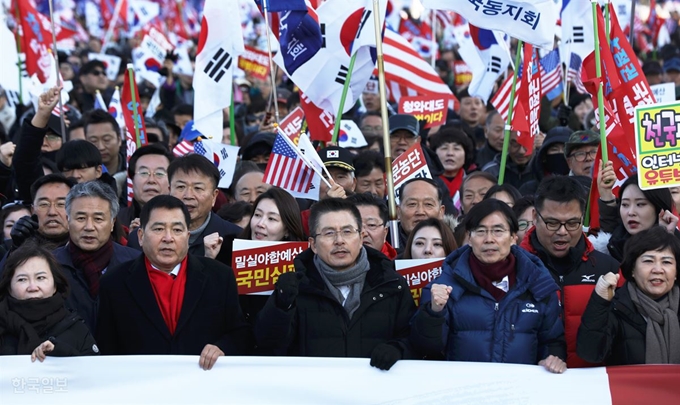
(634, 89)
(319, 122)
(36, 39)
(131, 139)
(501, 101)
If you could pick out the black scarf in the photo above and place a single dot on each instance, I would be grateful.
(28, 320)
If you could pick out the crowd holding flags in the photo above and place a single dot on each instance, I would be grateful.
(328, 49)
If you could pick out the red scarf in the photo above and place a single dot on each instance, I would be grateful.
(454, 184)
(485, 274)
(388, 251)
(91, 263)
(169, 292)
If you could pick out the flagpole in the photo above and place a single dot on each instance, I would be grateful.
(606, 17)
(133, 90)
(112, 25)
(600, 91)
(272, 74)
(232, 122)
(18, 39)
(391, 202)
(56, 66)
(345, 88)
(303, 157)
(631, 36)
(511, 107)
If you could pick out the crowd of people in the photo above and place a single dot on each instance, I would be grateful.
(523, 280)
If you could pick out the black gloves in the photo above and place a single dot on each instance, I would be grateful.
(384, 356)
(563, 115)
(287, 288)
(23, 229)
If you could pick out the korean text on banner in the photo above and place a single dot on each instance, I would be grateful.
(432, 109)
(411, 164)
(258, 264)
(419, 273)
(255, 62)
(658, 149)
(533, 21)
(292, 124)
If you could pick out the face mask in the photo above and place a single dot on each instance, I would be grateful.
(556, 164)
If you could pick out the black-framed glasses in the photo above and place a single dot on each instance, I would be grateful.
(554, 226)
(373, 226)
(582, 155)
(98, 73)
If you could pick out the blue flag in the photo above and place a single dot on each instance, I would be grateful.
(282, 5)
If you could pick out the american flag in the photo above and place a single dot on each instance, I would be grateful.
(551, 74)
(406, 73)
(183, 148)
(286, 169)
(574, 73)
(501, 100)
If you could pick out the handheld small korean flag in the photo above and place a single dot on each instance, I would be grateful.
(220, 43)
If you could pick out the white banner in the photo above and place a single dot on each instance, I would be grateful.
(290, 380)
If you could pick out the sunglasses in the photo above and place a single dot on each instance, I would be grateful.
(98, 73)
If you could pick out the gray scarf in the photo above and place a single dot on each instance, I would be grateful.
(353, 277)
(662, 339)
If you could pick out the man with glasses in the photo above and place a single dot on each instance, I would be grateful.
(374, 220)
(343, 300)
(148, 169)
(92, 78)
(580, 151)
(558, 240)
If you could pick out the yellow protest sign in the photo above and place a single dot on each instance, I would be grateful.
(657, 139)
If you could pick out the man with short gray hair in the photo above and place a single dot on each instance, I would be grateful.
(91, 210)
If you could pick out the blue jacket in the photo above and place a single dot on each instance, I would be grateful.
(524, 327)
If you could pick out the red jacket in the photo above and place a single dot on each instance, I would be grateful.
(576, 286)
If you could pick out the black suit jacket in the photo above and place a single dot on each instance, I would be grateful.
(227, 231)
(130, 321)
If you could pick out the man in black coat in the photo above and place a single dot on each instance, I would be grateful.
(168, 301)
(91, 209)
(194, 179)
(343, 300)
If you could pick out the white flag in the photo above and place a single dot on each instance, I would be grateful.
(532, 21)
(222, 156)
(578, 35)
(220, 43)
(116, 108)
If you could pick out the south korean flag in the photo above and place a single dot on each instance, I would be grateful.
(219, 45)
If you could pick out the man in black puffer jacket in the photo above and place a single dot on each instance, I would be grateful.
(343, 300)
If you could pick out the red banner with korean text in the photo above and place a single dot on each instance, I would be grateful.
(36, 39)
(530, 97)
(426, 108)
(257, 265)
(292, 123)
(634, 89)
(419, 273)
(254, 62)
(319, 122)
(411, 164)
